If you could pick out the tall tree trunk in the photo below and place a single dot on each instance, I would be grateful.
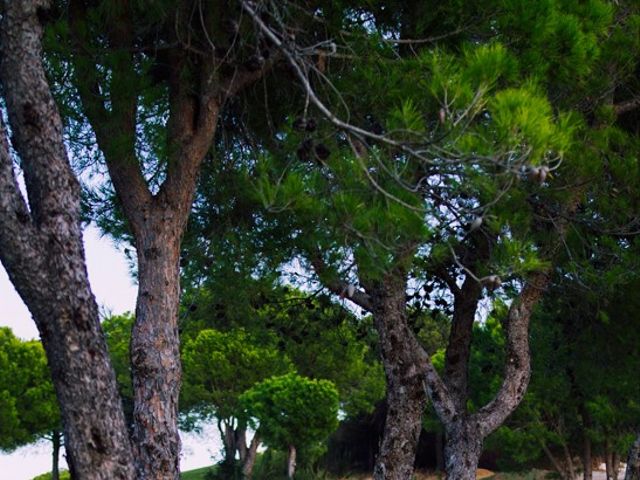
(462, 449)
(587, 460)
(42, 251)
(608, 460)
(155, 353)
(56, 438)
(157, 217)
(291, 462)
(228, 440)
(406, 396)
(633, 461)
(240, 439)
(471, 430)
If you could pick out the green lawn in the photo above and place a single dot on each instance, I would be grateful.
(197, 474)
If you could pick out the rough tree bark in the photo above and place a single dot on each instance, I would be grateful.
(408, 368)
(465, 433)
(462, 448)
(41, 249)
(197, 90)
(406, 396)
(456, 371)
(403, 357)
(403, 361)
(633, 461)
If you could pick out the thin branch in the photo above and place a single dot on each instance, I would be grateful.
(339, 287)
(627, 106)
(291, 57)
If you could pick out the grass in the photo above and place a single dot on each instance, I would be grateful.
(197, 474)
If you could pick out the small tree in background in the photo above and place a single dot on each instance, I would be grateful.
(292, 413)
(28, 406)
(218, 368)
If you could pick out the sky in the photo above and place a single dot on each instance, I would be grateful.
(115, 293)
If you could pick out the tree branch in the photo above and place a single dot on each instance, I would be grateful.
(627, 106)
(293, 61)
(115, 130)
(339, 287)
(438, 392)
(517, 368)
(20, 242)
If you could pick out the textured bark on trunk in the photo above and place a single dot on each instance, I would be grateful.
(406, 397)
(56, 438)
(456, 367)
(155, 354)
(291, 462)
(42, 251)
(157, 219)
(463, 447)
(465, 433)
(633, 461)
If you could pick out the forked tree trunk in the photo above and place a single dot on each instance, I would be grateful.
(406, 396)
(42, 251)
(250, 459)
(291, 462)
(633, 461)
(466, 433)
(247, 454)
(157, 217)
